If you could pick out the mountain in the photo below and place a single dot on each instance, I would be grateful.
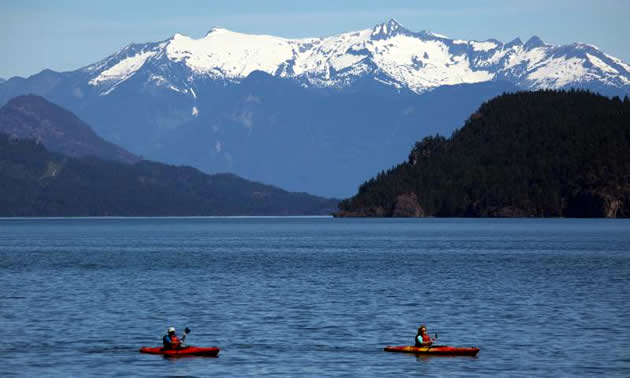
(32, 117)
(35, 182)
(545, 153)
(387, 53)
(313, 114)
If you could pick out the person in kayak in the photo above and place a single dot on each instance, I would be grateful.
(422, 338)
(171, 341)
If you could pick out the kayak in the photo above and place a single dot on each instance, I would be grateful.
(185, 351)
(438, 350)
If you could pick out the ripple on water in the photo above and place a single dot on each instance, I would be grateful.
(315, 297)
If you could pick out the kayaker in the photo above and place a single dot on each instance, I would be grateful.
(171, 341)
(422, 338)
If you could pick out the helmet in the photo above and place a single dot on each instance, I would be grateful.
(171, 329)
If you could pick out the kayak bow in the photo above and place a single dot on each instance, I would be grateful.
(438, 350)
(185, 351)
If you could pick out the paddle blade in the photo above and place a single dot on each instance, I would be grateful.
(187, 330)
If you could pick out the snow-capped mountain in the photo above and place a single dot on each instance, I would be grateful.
(318, 115)
(387, 53)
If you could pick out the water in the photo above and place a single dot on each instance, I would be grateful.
(314, 297)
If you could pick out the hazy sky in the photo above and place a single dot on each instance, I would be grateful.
(67, 34)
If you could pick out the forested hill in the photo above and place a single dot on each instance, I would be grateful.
(33, 117)
(540, 154)
(36, 182)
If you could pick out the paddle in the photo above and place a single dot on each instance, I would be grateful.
(430, 345)
(186, 332)
(435, 345)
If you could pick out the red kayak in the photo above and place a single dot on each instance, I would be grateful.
(438, 350)
(181, 352)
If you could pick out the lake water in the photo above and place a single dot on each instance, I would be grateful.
(315, 296)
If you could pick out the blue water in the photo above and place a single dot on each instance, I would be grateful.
(315, 297)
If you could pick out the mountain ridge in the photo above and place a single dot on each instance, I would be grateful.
(387, 52)
(36, 182)
(418, 61)
(33, 117)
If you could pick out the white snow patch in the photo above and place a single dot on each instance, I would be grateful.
(582, 45)
(192, 91)
(536, 57)
(97, 66)
(123, 69)
(483, 46)
(230, 54)
(174, 88)
(110, 90)
(496, 57)
(218, 147)
(438, 35)
(619, 62)
(396, 58)
(330, 53)
(559, 72)
(386, 82)
(601, 65)
(195, 111)
(159, 80)
(344, 61)
(533, 58)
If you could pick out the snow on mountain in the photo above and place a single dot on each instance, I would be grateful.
(123, 69)
(388, 53)
(115, 69)
(226, 54)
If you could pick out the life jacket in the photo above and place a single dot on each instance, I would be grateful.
(425, 339)
(171, 342)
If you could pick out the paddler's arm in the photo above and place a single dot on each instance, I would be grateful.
(166, 340)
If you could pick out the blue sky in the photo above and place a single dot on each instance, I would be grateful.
(67, 34)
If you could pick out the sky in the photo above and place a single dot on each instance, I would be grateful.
(65, 35)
